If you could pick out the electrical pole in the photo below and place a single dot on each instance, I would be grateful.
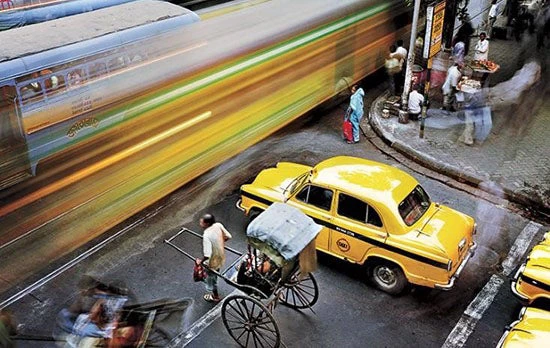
(410, 59)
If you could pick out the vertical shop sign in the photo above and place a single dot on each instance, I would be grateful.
(435, 15)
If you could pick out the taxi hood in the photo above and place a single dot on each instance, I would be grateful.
(278, 179)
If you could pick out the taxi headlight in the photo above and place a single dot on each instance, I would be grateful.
(449, 265)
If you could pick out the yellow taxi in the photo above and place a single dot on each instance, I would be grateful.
(532, 330)
(531, 283)
(374, 215)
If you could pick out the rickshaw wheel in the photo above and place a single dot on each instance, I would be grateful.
(249, 322)
(300, 293)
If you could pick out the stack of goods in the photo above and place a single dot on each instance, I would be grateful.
(393, 104)
(469, 85)
(485, 65)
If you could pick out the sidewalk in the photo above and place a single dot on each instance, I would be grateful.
(513, 160)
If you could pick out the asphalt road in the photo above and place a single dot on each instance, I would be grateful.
(349, 313)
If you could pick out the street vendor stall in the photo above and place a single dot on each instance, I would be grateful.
(482, 69)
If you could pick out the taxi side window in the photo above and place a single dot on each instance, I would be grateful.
(356, 209)
(317, 196)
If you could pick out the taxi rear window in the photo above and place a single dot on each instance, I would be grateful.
(414, 205)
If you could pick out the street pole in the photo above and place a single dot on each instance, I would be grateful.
(426, 100)
(410, 59)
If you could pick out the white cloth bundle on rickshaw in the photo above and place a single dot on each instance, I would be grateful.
(282, 232)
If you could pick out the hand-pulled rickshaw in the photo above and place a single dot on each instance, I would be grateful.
(275, 268)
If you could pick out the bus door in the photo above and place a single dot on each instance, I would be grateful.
(14, 161)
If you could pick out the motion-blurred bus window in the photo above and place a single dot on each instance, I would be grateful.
(116, 63)
(97, 69)
(75, 77)
(31, 90)
(136, 59)
(55, 83)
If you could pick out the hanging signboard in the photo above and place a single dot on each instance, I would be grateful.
(434, 29)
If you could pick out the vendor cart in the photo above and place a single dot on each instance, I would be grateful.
(481, 71)
(275, 268)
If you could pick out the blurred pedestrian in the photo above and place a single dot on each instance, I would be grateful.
(92, 329)
(449, 86)
(213, 242)
(465, 32)
(7, 329)
(511, 9)
(493, 14)
(458, 51)
(402, 51)
(112, 296)
(416, 99)
(355, 111)
(482, 47)
(541, 26)
(393, 68)
(418, 49)
(519, 23)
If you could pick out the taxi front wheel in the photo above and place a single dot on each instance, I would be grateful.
(388, 277)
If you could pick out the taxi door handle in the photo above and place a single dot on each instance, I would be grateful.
(326, 217)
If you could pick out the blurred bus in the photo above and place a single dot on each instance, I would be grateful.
(17, 13)
(43, 83)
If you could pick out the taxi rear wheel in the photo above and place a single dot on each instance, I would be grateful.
(388, 277)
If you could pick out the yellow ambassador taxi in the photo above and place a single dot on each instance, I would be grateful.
(374, 215)
(531, 283)
(532, 330)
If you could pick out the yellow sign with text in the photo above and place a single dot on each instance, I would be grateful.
(434, 29)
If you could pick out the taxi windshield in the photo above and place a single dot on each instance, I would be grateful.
(296, 183)
(414, 205)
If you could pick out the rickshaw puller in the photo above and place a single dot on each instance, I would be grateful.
(214, 237)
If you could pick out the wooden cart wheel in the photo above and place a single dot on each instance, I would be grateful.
(250, 323)
(300, 293)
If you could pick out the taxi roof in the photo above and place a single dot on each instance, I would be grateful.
(371, 179)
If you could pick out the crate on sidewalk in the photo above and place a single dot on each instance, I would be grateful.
(392, 104)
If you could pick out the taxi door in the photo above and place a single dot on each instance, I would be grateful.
(357, 228)
(316, 202)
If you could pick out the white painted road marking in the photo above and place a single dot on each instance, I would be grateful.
(184, 338)
(475, 310)
(520, 247)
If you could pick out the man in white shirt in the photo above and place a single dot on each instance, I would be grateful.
(450, 84)
(481, 51)
(402, 51)
(213, 242)
(493, 13)
(415, 103)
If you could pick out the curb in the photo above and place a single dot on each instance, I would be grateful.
(445, 168)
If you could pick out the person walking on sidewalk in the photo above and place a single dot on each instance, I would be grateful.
(355, 110)
(213, 241)
(402, 51)
(415, 103)
(459, 50)
(449, 86)
(393, 65)
(482, 47)
(465, 32)
(493, 14)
